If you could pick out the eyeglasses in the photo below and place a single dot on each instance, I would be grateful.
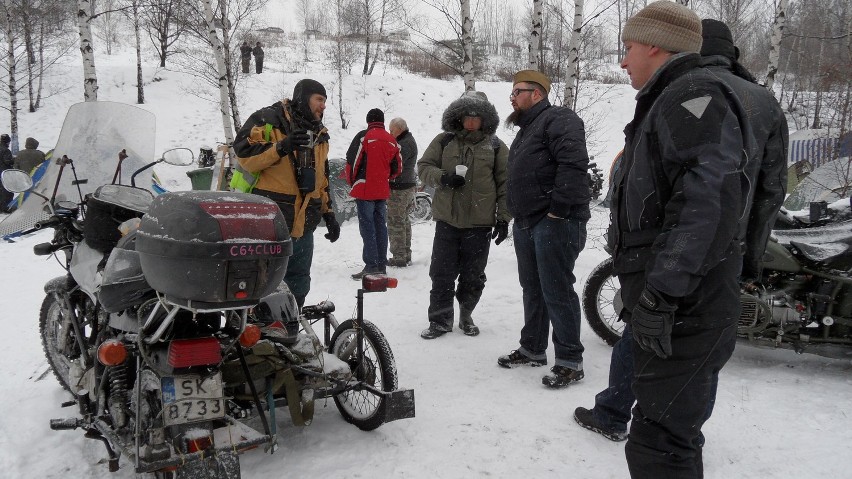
(518, 91)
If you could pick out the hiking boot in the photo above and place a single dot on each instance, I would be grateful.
(432, 332)
(398, 262)
(586, 418)
(360, 274)
(562, 377)
(466, 324)
(517, 358)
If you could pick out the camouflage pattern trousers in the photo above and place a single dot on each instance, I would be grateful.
(399, 226)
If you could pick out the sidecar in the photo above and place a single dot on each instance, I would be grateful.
(292, 365)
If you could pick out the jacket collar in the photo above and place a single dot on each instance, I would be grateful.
(673, 68)
(403, 135)
(376, 124)
(528, 116)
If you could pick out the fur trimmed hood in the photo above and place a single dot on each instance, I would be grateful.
(472, 103)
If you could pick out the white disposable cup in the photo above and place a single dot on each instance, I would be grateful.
(461, 170)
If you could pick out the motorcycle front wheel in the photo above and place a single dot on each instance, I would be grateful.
(57, 339)
(420, 209)
(362, 408)
(599, 303)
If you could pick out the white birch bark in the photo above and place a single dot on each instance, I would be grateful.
(535, 36)
(90, 76)
(13, 93)
(224, 104)
(140, 87)
(775, 43)
(572, 75)
(467, 46)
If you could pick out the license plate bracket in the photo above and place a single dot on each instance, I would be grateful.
(191, 398)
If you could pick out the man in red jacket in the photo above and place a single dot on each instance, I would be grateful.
(373, 159)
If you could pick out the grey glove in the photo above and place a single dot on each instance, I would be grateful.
(652, 323)
(295, 140)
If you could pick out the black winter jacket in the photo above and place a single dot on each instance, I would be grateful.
(548, 166)
(408, 150)
(768, 169)
(678, 194)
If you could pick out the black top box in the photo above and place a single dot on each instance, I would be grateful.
(212, 249)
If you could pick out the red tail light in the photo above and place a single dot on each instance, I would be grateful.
(377, 283)
(184, 353)
(202, 443)
(242, 220)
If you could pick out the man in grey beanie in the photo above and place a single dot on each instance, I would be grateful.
(677, 199)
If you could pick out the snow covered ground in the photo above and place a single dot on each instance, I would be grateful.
(778, 414)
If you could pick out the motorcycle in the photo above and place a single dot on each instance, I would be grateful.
(802, 301)
(420, 209)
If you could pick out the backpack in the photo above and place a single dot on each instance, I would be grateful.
(243, 180)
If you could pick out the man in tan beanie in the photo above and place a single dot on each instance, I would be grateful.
(677, 199)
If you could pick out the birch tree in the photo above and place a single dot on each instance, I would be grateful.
(775, 42)
(134, 17)
(218, 53)
(572, 76)
(90, 76)
(467, 46)
(13, 91)
(535, 36)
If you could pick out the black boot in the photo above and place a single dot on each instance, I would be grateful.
(466, 323)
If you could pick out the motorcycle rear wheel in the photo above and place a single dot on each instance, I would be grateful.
(598, 296)
(420, 209)
(364, 409)
(50, 328)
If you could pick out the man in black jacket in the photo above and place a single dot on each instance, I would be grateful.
(548, 196)
(767, 172)
(678, 196)
(401, 195)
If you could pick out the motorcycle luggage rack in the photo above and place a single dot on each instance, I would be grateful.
(175, 308)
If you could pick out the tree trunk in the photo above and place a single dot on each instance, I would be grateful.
(535, 36)
(41, 34)
(229, 70)
(775, 43)
(381, 34)
(13, 94)
(820, 79)
(572, 76)
(90, 77)
(140, 87)
(213, 38)
(467, 46)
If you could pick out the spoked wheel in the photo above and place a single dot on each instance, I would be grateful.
(57, 339)
(362, 408)
(601, 302)
(420, 209)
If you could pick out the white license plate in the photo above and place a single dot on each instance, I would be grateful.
(191, 399)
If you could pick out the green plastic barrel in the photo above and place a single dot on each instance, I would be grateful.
(200, 178)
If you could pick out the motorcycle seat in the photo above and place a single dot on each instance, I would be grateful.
(826, 253)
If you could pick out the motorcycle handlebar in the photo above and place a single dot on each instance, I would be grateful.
(319, 310)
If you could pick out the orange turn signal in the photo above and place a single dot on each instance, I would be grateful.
(112, 352)
(250, 336)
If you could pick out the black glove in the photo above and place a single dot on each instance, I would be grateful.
(333, 227)
(652, 323)
(452, 180)
(501, 231)
(295, 140)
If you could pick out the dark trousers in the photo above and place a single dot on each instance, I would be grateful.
(298, 276)
(246, 61)
(258, 64)
(673, 397)
(456, 253)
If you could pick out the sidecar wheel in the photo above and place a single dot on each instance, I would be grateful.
(50, 327)
(361, 407)
(599, 294)
(420, 209)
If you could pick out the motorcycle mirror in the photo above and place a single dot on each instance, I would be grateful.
(16, 181)
(178, 156)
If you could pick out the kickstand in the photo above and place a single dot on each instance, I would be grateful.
(273, 441)
(113, 457)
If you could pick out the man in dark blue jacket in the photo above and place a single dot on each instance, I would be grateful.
(548, 196)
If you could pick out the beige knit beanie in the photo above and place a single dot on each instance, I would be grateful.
(668, 25)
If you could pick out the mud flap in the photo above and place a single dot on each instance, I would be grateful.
(224, 464)
(400, 404)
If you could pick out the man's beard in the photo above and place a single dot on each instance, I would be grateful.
(512, 119)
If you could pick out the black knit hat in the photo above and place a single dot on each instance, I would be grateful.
(375, 115)
(305, 88)
(717, 40)
(4, 139)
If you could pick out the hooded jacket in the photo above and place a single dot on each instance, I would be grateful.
(548, 166)
(372, 159)
(29, 158)
(678, 193)
(482, 200)
(408, 151)
(767, 169)
(256, 152)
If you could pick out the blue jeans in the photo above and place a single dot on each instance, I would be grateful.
(372, 222)
(546, 255)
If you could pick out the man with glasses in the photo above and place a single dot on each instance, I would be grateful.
(548, 196)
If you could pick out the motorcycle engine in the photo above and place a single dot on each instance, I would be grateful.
(765, 309)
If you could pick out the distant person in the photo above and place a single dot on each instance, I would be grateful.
(372, 159)
(257, 51)
(245, 56)
(403, 189)
(7, 161)
(30, 157)
(548, 195)
(283, 153)
(467, 166)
